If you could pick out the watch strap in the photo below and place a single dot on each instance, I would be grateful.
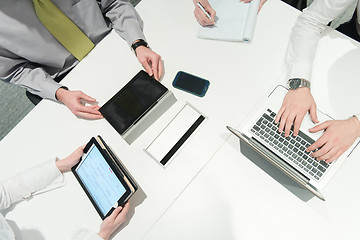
(139, 43)
(305, 83)
(302, 83)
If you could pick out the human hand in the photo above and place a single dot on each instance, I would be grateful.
(338, 136)
(260, 4)
(151, 61)
(294, 107)
(201, 17)
(73, 101)
(112, 222)
(67, 163)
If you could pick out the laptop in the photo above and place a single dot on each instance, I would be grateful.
(288, 154)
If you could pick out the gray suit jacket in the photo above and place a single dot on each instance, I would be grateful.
(31, 57)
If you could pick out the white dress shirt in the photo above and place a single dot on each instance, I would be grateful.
(306, 35)
(39, 179)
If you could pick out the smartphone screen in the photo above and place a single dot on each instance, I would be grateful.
(190, 83)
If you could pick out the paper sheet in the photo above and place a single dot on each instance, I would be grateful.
(235, 21)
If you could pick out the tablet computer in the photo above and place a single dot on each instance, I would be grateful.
(103, 181)
(133, 101)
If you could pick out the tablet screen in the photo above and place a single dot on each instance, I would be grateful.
(133, 101)
(100, 180)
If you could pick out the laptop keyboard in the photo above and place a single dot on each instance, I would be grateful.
(293, 148)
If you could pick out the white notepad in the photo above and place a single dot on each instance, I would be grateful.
(235, 21)
(172, 137)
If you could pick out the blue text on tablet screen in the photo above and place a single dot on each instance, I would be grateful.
(100, 180)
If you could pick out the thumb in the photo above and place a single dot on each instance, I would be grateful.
(116, 212)
(319, 127)
(148, 68)
(313, 114)
(87, 97)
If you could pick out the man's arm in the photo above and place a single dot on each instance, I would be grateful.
(32, 77)
(300, 55)
(128, 24)
(306, 34)
(124, 18)
(18, 71)
(337, 137)
(29, 182)
(22, 185)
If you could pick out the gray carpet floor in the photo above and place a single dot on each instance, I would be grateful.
(14, 105)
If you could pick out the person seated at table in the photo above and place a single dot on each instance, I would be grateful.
(201, 17)
(44, 177)
(338, 135)
(42, 40)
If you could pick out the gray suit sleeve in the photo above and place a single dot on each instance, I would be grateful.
(124, 18)
(28, 75)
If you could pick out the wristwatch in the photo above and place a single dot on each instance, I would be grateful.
(295, 83)
(139, 43)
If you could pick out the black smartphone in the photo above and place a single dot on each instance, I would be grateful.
(191, 84)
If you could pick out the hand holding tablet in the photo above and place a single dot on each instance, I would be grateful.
(112, 222)
(103, 178)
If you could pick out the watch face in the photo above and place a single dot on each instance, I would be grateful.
(294, 83)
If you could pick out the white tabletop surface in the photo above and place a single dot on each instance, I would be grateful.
(231, 198)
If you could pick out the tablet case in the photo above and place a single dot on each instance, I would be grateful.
(122, 116)
(122, 169)
(118, 162)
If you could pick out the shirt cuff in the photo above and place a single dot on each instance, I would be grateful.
(42, 178)
(133, 32)
(49, 89)
(300, 70)
(130, 29)
(85, 234)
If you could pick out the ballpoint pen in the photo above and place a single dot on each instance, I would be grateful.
(203, 9)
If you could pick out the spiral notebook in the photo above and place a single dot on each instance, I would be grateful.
(235, 21)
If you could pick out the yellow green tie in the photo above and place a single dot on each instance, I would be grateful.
(63, 29)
